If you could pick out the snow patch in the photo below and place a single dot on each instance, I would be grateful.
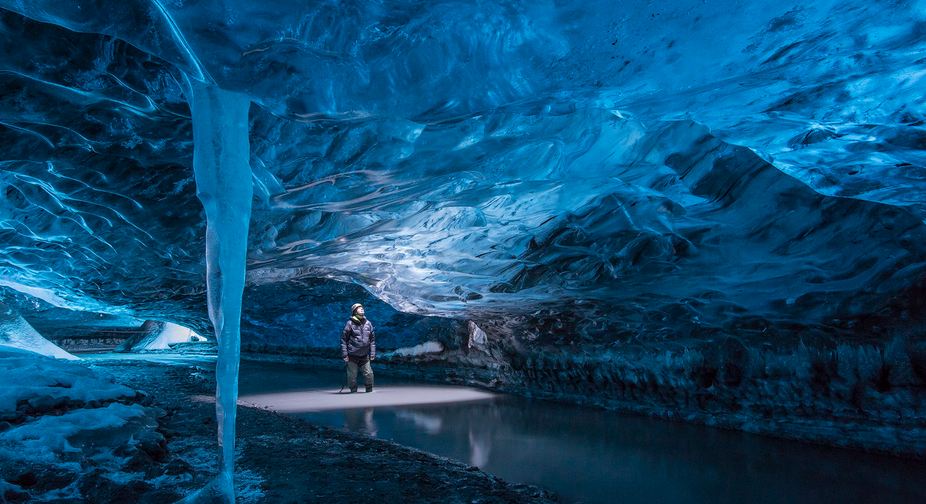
(65, 422)
(78, 431)
(159, 336)
(43, 382)
(420, 349)
(16, 332)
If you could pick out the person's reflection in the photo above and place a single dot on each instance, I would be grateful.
(361, 421)
(484, 421)
(480, 445)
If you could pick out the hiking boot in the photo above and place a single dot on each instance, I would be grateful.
(353, 390)
(369, 388)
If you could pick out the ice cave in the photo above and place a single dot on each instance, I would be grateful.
(450, 251)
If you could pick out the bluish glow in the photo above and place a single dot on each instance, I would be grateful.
(705, 201)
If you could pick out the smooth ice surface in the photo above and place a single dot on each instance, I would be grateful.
(161, 358)
(330, 399)
(171, 334)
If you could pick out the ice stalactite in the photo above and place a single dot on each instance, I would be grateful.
(223, 180)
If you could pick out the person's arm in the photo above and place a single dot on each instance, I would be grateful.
(344, 335)
(372, 342)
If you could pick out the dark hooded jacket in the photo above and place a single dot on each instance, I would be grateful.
(358, 339)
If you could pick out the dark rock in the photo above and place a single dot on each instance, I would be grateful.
(918, 360)
(898, 369)
(735, 362)
(27, 479)
(178, 466)
(37, 479)
(53, 478)
(15, 496)
(45, 403)
(153, 444)
(159, 496)
(96, 487)
(138, 461)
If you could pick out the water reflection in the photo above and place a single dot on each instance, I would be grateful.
(598, 456)
(430, 424)
(361, 420)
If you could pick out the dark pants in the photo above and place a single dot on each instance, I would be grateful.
(363, 364)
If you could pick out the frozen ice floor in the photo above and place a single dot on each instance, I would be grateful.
(332, 399)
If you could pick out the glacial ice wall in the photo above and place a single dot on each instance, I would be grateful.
(573, 176)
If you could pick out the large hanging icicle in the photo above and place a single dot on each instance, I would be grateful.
(223, 180)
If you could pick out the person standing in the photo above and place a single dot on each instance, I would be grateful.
(358, 347)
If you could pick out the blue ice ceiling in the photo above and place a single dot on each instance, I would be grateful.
(593, 170)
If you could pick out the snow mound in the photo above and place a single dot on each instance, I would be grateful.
(82, 430)
(34, 383)
(16, 332)
(67, 432)
(155, 335)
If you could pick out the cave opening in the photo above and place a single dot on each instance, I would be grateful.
(669, 253)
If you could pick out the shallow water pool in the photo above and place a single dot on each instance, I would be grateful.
(589, 455)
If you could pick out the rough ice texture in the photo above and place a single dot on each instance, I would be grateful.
(68, 432)
(866, 396)
(573, 178)
(74, 432)
(32, 382)
(858, 396)
(62, 424)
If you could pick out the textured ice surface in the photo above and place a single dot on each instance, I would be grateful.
(739, 180)
(223, 184)
(52, 435)
(67, 430)
(39, 382)
(480, 160)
